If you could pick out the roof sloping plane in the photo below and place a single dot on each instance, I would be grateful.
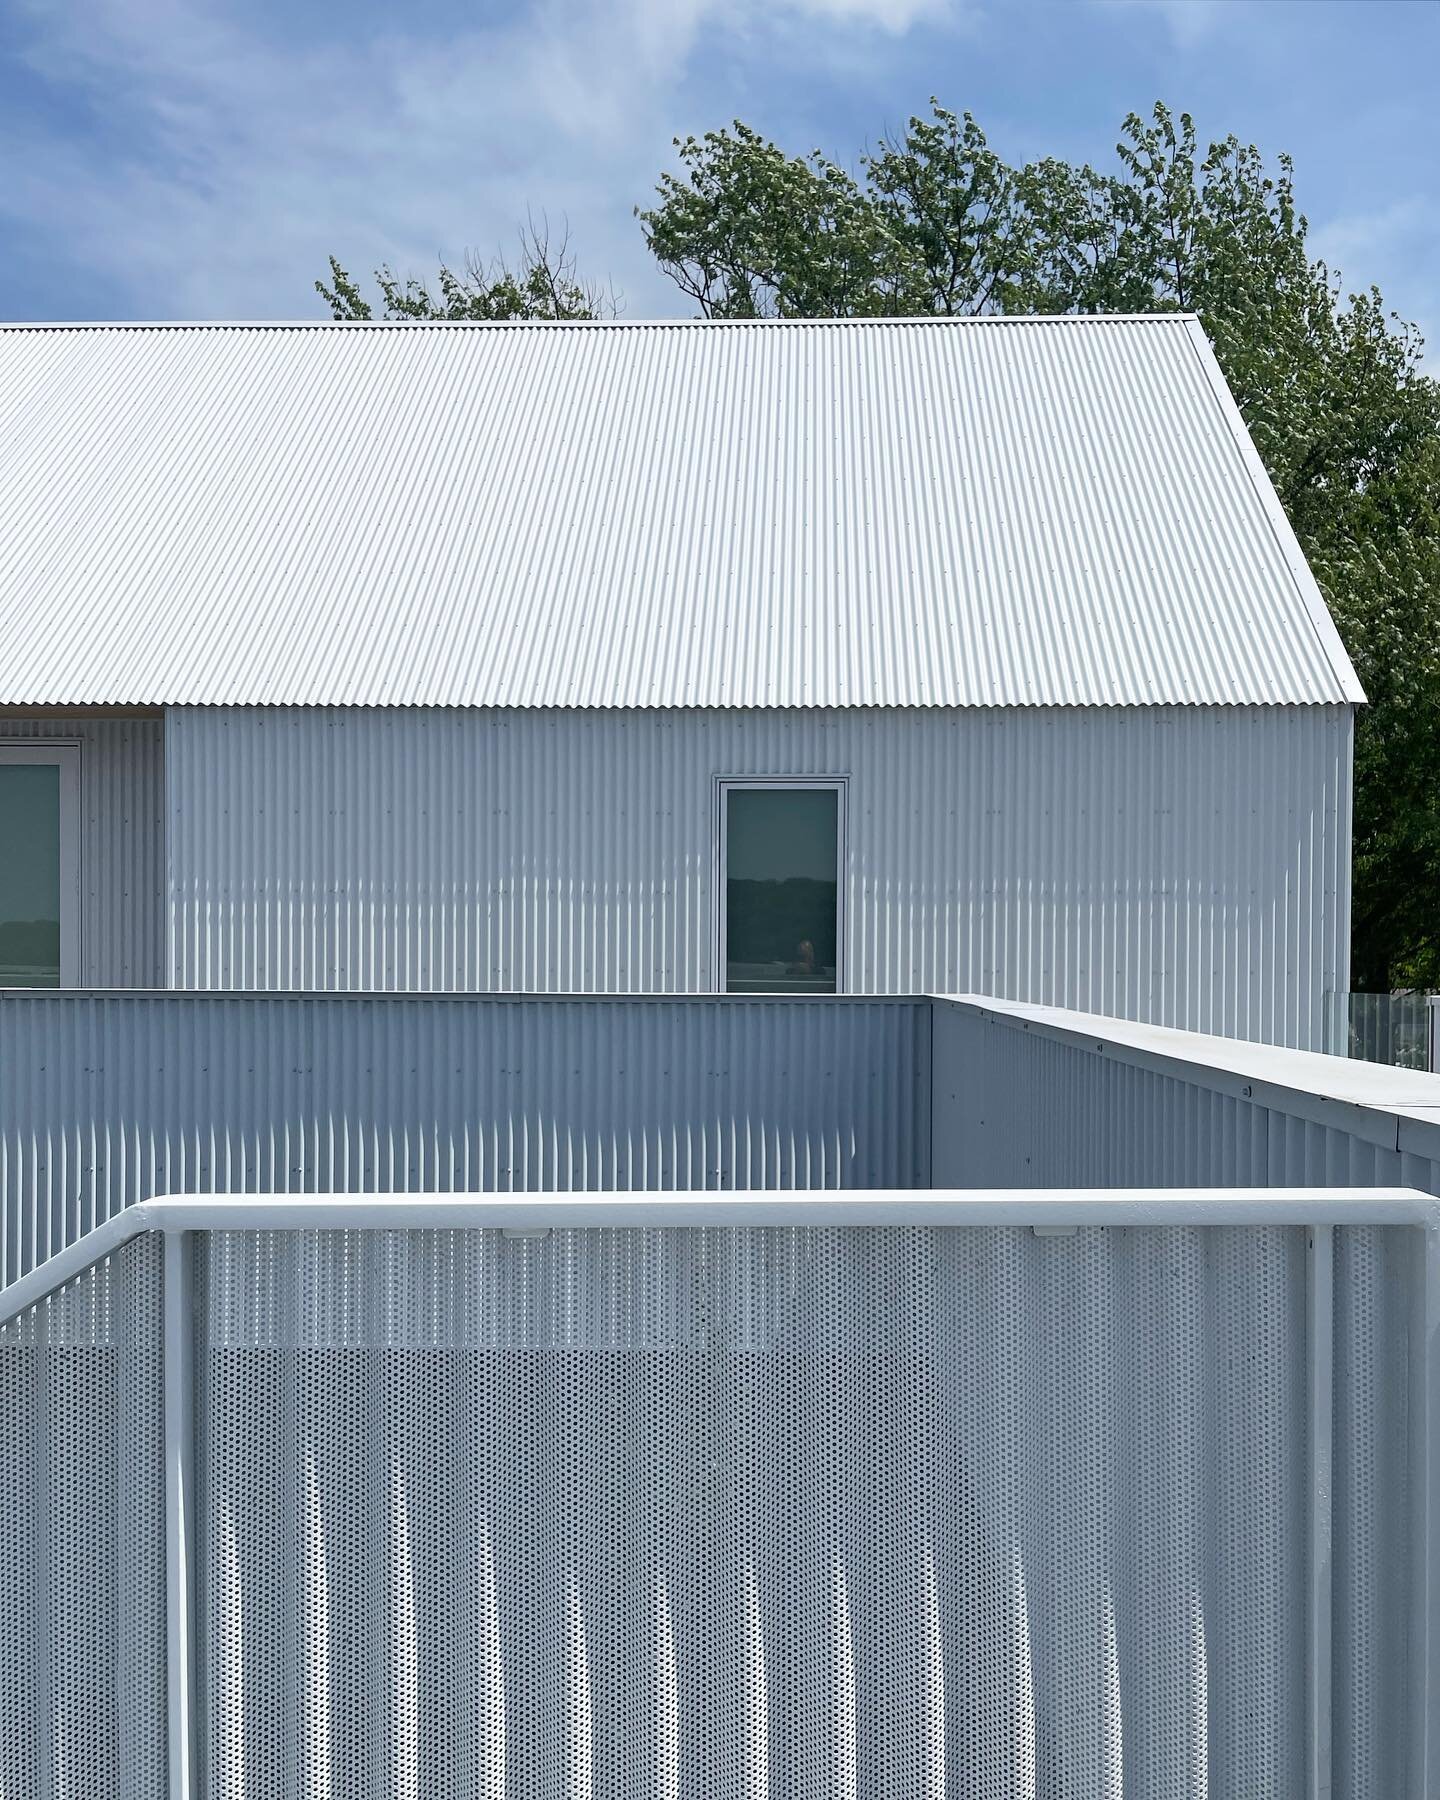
(891, 513)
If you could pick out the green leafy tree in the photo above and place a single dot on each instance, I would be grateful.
(934, 222)
(750, 233)
(542, 285)
(1330, 384)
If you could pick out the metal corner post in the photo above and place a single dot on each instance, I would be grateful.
(1425, 1521)
(1320, 1397)
(180, 1507)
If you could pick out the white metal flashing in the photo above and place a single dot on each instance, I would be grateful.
(1398, 1109)
(1269, 501)
(993, 319)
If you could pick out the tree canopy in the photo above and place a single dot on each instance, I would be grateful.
(542, 285)
(932, 221)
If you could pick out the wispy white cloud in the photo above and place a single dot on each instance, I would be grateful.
(223, 163)
(1191, 22)
(1364, 247)
(1350, 241)
(889, 15)
(1188, 23)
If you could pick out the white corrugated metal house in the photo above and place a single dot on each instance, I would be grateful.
(421, 657)
(612, 1184)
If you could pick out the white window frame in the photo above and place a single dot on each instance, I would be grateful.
(63, 754)
(724, 785)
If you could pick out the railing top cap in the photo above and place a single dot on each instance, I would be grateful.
(855, 1207)
(1406, 1093)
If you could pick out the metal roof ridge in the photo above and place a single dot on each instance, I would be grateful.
(920, 320)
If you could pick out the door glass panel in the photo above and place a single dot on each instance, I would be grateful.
(781, 848)
(29, 875)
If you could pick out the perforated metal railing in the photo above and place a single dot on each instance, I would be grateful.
(883, 1496)
(82, 1537)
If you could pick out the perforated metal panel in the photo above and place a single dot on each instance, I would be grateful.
(880, 1512)
(82, 1539)
(1376, 1582)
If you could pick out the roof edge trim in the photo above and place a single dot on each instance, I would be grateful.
(1301, 573)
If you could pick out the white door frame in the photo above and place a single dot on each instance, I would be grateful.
(840, 786)
(64, 754)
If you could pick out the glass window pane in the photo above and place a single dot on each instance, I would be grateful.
(29, 875)
(780, 899)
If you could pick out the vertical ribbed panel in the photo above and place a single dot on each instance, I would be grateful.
(1329, 1156)
(1018, 1108)
(1014, 1108)
(1374, 1581)
(122, 844)
(878, 1513)
(106, 1101)
(1185, 866)
(82, 1539)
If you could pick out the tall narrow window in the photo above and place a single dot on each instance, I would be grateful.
(780, 866)
(39, 865)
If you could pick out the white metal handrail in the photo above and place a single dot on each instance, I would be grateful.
(1045, 1207)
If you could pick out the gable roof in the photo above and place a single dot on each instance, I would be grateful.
(900, 513)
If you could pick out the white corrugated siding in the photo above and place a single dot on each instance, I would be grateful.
(1029, 1108)
(110, 1100)
(122, 843)
(1184, 866)
(936, 513)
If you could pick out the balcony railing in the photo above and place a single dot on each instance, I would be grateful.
(1396, 1029)
(896, 1493)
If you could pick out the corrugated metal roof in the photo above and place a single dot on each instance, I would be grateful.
(978, 512)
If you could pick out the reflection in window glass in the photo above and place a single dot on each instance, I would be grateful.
(29, 875)
(781, 851)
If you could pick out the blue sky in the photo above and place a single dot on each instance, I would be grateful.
(198, 158)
